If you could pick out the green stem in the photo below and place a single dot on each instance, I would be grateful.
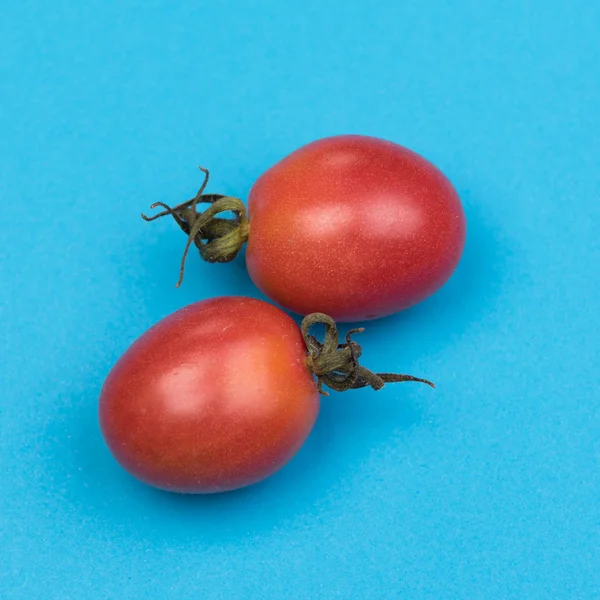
(336, 365)
(217, 239)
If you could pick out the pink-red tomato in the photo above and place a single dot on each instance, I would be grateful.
(214, 397)
(353, 226)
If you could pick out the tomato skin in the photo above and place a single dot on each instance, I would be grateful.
(214, 397)
(355, 227)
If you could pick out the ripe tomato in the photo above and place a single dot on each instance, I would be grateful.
(353, 226)
(221, 394)
(214, 397)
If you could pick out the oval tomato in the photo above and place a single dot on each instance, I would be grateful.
(353, 226)
(221, 393)
(214, 397)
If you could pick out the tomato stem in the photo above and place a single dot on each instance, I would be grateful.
(336, 365)
(218, 239)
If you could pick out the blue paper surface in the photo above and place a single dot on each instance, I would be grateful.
(488, 487)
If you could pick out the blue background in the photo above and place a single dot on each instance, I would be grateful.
(488, 487)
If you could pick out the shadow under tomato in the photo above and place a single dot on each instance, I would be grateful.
(92, 481)
(348, 428)
(83, 472)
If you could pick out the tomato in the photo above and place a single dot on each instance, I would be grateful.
(353, 226)
(221, 393)
(214, 397)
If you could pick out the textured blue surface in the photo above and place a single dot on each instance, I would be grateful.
(488, 487)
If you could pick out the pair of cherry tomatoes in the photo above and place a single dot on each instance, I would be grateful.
(222, 393)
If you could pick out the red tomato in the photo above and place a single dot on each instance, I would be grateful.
(214, 397)
(353, 226)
